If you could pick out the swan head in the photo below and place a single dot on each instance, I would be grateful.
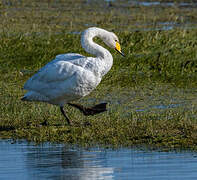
(112, 41)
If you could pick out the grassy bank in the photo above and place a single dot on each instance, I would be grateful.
(160, 69)
(29, 16)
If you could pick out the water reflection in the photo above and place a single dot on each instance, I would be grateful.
(59, 162)
(62, 162)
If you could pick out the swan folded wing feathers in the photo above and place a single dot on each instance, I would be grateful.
(62, 78)
(76, 59)
(97, 66)
(63, 57)
(49, 71)
(53, 72)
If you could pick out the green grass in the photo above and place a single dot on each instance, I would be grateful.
(160, 69)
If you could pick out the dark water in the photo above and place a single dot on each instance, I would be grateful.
(26, 161)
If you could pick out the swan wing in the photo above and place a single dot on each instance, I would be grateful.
(69, 57)
(59, 78)
(52, 73)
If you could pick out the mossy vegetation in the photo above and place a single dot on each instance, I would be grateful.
(151, 93)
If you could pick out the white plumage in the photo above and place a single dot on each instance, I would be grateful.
(72, 76)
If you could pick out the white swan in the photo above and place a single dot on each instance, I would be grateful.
(72, 76)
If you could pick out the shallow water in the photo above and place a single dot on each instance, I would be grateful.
(26, 161)
(164, 3)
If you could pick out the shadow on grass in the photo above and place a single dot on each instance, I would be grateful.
(7, 128)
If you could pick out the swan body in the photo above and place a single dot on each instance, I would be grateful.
(72, 76)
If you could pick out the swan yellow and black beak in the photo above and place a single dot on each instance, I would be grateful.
(118, 48)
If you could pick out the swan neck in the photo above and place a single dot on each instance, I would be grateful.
(90, 46)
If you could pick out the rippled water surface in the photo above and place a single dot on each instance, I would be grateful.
(26, 161)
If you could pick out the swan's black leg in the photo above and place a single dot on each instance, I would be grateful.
(99, 108)
(64, 114)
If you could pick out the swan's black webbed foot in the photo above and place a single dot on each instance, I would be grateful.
(99, 108)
